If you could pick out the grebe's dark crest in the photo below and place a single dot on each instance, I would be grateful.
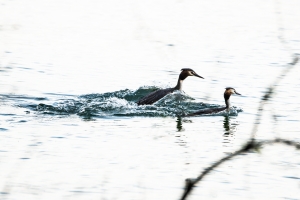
(228, 92)
(158, 94)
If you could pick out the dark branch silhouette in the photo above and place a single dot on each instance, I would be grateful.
(251, 145)
(269, 94)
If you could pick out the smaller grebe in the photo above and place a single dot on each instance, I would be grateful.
(228, 92)
(158, 94)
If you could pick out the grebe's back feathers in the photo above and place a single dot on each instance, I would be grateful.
(154, 96)
(207, 111)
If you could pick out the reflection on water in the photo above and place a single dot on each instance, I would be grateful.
(180, 137)
(229, 130)
(226, 125)
(179, 124)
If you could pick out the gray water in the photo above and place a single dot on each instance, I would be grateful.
(71, 72)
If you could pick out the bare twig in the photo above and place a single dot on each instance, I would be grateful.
(269, 94)
(251, 145)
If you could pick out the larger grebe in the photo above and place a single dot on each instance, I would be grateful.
(158, 94)
(228, 92)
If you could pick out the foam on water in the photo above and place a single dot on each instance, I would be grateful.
(123, 103)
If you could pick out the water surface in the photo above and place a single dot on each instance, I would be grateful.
(71, 73)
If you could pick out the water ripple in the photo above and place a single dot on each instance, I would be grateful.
(123, 103)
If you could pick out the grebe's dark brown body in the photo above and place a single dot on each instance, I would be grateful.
(158, 94)
(228, 92)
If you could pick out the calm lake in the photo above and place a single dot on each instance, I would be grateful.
(71, 72)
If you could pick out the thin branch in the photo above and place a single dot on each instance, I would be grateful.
(251, 145)
(269, 94)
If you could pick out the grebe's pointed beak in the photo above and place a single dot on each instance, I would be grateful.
(195, 74)
(237, 93)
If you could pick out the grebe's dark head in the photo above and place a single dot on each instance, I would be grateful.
(185, 72)
(229, 91)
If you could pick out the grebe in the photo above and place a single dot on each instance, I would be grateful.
(228, 92)
(158, 94)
